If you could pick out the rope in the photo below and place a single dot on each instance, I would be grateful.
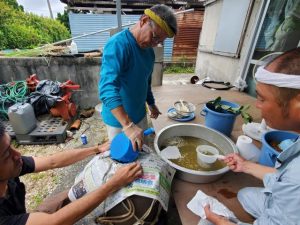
(10, 94)
(111, 220)
(118, 219)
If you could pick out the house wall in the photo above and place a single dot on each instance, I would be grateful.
(220, 67)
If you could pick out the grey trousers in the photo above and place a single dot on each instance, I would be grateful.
(253, 200)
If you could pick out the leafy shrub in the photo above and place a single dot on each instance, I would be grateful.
(64, 19)
(26, 30)
(3, 42)
(21, 36)
(51, 30)
(6, 14)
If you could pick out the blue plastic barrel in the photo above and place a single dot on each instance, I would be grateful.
(268, 154)
(220, 121)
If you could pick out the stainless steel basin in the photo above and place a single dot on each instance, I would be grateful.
(198, 131)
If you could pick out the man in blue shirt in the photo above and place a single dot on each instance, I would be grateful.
(278, 98)
(12, 190)
(127, 65)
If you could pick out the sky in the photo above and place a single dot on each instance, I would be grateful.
(40, 7)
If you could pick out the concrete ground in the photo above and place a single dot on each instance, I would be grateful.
(94, 128)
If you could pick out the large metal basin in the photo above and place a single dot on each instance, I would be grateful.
(198, 131)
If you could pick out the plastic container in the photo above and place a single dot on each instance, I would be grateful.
(121, 148)
(22, 118)
(98, 109)
(247, 149)
(207, 154)
(73, 48)
(220, 121)
(268, 154)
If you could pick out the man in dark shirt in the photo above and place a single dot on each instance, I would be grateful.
(12, 191)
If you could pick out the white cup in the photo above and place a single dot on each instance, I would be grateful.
(247, 149)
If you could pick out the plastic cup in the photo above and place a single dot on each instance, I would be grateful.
(207, 154)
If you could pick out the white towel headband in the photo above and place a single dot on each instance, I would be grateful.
(277, 79)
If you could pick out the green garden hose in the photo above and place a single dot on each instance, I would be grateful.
(10, 94)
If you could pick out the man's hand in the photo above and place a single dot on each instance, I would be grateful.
(136, 136)
(216, 219)
(154, 111)
(125, 175)
(235, 162)
(103, 147)
(238, 164)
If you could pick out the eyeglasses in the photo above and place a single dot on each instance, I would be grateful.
(155, 38)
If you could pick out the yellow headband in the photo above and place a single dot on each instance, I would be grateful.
(163, 25)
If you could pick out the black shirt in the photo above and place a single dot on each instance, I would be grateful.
(12, 206)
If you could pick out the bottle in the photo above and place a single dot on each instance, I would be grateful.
(73, 48)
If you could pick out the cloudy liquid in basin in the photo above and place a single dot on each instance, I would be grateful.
(187, 147)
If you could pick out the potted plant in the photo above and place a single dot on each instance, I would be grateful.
(220, 115)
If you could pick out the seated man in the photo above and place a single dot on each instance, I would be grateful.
(12, 191)
(278, 98)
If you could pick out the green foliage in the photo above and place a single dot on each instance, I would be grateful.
(14, 4)
(218, 107)
(64, 19)
(179, 69)
(21, 36)
(6, 13)
(26, 30)
(3, 41)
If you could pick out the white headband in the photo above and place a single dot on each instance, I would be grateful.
(277, 79)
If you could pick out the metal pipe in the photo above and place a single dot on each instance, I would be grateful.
(50, 10)
(92, 33)
(184, 11)
(240, 83)
(118, 5)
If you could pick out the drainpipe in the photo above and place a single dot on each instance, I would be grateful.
(240, 83)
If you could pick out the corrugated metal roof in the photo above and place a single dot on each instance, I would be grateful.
(186, 42)
(168, 49)
(87, 23)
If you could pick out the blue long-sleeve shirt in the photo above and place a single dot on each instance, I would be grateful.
(125, 78)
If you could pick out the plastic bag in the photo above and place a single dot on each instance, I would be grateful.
(42, 103)
(49, 87)
(46, 95)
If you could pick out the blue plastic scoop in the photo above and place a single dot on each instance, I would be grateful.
(121, 148)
